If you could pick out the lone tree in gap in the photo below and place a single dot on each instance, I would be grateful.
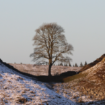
(51, 46)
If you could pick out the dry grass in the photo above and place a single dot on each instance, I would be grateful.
(43, 69)
(90, 83)
(74, 77)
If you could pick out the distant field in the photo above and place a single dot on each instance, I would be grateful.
(43, 69)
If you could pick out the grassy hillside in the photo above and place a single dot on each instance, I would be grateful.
(74, 77)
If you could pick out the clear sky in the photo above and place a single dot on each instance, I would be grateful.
(83, 21)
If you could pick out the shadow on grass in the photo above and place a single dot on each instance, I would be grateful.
(73, 77)
(56, 78)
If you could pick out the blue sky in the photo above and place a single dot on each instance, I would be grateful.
(82, 20)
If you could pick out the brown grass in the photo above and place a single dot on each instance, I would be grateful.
(92, 64)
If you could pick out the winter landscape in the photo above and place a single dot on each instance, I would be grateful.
(18, 89)
(52, 52)
(83, 88)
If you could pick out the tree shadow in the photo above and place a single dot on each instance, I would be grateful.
(56, 78)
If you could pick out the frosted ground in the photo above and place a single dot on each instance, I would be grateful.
(18, 89)
(88, 86)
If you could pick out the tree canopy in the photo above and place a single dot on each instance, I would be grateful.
(51, 45)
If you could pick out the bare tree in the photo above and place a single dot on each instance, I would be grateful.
(61, 64)
(51, 45)
(76, 65)
(65, 64)
(81, 65)
(69, 64)
(85, 63)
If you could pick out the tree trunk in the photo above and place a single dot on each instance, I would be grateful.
(49, 71)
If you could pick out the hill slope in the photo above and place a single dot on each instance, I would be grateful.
(92, 64)
(19, 89)
(91, 82)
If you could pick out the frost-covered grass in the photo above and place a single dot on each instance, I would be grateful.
(17, 89)
(71, 91)
(87, 87)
